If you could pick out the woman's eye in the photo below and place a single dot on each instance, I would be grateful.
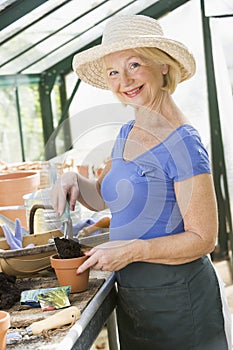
(134, 65)
(113, 73)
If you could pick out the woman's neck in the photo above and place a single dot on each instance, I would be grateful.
(165, 113)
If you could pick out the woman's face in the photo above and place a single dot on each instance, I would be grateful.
(134, 79)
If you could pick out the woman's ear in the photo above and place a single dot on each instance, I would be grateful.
(164, 69)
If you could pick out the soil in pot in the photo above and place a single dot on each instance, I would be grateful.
(68, 248)
(66, 262)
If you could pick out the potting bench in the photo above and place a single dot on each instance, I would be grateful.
(97, 307)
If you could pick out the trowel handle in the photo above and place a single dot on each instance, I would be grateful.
(102, 223)
(59, 319)
(66, 213)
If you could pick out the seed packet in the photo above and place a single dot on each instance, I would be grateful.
(57, 299)
(53, 299)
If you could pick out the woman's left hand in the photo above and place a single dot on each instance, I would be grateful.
(110, 256)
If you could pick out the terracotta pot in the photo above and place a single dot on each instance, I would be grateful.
(13, 187)
(4, 325)
(65, 270)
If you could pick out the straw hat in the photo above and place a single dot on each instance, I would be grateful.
(128, 32)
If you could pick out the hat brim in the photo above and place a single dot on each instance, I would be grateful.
(88, 64)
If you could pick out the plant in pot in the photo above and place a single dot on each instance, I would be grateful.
(65, 263)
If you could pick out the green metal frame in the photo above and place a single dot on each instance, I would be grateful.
(19, 122)
(46, 85)
(160, 8)
(225, 237)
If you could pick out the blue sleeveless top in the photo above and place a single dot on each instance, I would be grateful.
(140, 193)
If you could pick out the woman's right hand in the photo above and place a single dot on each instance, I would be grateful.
(65, 187)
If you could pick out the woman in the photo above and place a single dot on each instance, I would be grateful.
(159, 188)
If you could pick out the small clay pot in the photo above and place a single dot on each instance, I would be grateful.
(65, 270)
(4, 325)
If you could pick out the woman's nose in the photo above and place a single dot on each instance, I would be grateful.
(126, 79)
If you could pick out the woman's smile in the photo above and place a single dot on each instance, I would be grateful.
(134, 92)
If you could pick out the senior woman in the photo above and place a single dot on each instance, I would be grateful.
(158, 186)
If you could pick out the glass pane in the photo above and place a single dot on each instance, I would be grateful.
(10, 147)
(218, 8)
(31, 122)
(10, 144)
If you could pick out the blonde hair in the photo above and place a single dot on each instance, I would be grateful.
(173, 77)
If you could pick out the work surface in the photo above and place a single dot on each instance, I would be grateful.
(22, 316)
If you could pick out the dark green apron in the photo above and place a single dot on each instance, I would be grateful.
(170, 307)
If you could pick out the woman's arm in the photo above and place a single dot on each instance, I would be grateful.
(89, 193)
(198, 206)
(78, 188)
(197, 203)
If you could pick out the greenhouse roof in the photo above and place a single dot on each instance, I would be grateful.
(37, 35)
